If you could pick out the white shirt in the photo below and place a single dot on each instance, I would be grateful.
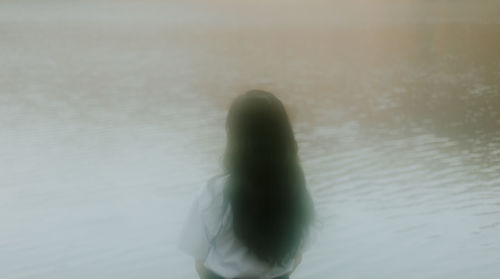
(208, 236)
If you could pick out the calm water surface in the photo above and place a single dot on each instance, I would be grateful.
(112, 116)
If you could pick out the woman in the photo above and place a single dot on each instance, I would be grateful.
(253, 220)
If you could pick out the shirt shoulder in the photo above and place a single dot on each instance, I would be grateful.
(212, 205)
(204, 218)
(212, 193)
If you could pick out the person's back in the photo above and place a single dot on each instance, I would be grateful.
(252, 221)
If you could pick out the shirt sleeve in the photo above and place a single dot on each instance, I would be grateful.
(305, 244)
(311, 236)
(194, 239)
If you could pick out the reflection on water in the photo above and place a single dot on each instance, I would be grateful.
(111, 120)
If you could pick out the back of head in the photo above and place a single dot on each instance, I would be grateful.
(266, 189)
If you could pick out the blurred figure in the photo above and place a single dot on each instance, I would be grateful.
(253, 220)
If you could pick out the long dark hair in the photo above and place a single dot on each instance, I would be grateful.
(266, 188)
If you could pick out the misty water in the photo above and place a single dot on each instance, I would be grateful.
(112, 117)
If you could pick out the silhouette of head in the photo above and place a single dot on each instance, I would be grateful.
(271, 206)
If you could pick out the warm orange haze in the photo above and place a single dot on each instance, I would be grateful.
(112, 116)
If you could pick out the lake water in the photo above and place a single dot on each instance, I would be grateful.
(112, 116)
